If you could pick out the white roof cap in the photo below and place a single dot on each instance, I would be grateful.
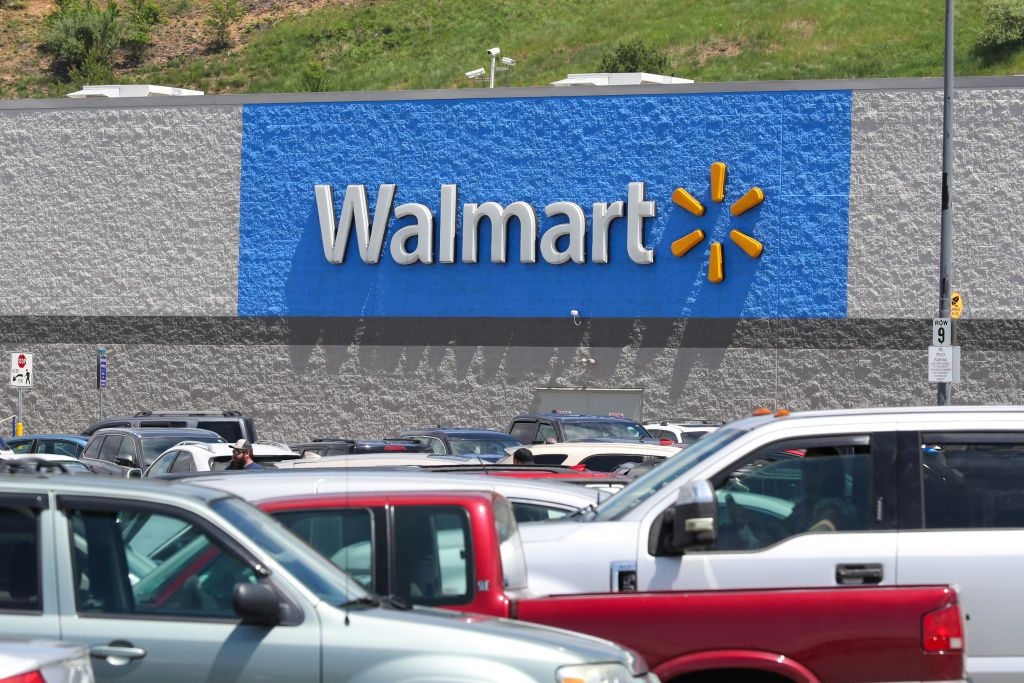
(131, 91)
(634, 78)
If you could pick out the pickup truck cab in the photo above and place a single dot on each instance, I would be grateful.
(826, 499)
(170, 582)
(461, 550)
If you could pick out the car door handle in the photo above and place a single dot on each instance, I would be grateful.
(117, 653)
(858, 574)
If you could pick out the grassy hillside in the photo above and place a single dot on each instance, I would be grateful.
(401, 44)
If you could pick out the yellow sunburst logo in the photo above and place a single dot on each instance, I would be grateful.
(753, 197)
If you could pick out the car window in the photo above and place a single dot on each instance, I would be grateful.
(546, 433)
(135, 563)
(19, 559)
(549, 458)
(433, 563)
(183, 463)
(155, 445)
(111, 446)
(524, 430)
(603, 429)
(795, 487)
(58, 447)
(535, 512)
(606, 462)
(342, 535)
(162, 464)
(339, 450)
(972, 482)
(461, 446)
(231, 430)
(22, 447)
(127, 450)
(92, 450)
(663, 434)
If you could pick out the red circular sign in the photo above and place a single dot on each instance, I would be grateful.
(21, 360)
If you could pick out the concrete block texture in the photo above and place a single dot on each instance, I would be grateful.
(297, 392)
(895, 202)
(120, 211)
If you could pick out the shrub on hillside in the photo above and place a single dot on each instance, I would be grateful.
(1003, 24)
(140, 18)
(314, 77)
(222, 15)
(634, 55)
(80, 34)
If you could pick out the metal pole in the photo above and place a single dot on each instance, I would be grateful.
(21, 398)
(101, 404)
(493, 58)
(946, 238)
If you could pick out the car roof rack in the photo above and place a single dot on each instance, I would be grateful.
(330, 440)
(188, 413)
(205, 445)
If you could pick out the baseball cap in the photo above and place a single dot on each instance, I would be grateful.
(242, 445)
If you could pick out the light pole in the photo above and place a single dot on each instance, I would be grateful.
(946, 232)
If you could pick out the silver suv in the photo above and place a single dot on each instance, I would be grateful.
(183, 583)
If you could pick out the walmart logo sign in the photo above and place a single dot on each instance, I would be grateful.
(729, 205)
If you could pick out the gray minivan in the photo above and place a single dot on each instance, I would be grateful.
(184, 583)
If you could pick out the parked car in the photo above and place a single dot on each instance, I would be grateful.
(44, 462)
(184, 583)
(596, 456)
(122, 452)
(532, 501)
(205, 457)
(893, 496)
(681, 431)
(230, 424)
(43, 661)
(320, 448)
(460, 550)
(536, 428)
(483, 444)
(4, 448)
(56, 444)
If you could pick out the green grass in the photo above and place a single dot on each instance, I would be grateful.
(414, 44)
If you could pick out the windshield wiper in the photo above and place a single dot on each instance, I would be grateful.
(367, 601)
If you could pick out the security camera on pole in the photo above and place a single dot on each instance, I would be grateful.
(481, 73)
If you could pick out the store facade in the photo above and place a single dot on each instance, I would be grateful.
(350, 264)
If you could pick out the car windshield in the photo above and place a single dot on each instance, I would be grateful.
(603, 429)
(316, 573)
(152, 447)
(669, 471)
(481, 446)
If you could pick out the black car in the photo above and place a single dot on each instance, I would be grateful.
(325, 447)
(119, 452)
(471, 443)
(556, 427)
(230, 424)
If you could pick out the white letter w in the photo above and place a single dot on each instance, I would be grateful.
(335, 237)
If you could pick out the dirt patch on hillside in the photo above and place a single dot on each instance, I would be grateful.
(21, 30)
(718, 47)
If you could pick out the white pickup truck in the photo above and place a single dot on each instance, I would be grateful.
(900, 496)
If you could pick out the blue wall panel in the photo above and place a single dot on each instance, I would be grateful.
(794, 145)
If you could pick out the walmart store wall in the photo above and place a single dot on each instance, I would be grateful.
(184, 238)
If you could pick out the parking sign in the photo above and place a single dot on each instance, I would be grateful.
(21, 370)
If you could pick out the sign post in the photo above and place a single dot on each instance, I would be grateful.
(943, 356)
(21, 379)
(101, 375)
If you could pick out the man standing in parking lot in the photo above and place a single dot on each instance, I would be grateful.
(522, 456)
(241, 456)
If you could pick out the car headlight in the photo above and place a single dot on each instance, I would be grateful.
(594, 673)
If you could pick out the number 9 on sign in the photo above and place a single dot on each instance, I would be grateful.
(940, 332)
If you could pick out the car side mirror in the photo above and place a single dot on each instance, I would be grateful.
(693, 520)
(134, 473)
(257, 603)
(123, 461)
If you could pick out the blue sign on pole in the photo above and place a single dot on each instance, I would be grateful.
(101, 370)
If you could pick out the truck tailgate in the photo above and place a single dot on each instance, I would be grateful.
(841, 635)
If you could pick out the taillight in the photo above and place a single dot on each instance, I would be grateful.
(667, 442)
(394, 448)
(942, 631)
(578, 468)
(30, 677)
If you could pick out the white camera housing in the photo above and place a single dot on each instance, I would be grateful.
(508, 61)
(494, 51)
(574, 313)
(476, 73)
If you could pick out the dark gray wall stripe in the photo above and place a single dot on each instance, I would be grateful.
(805, 333)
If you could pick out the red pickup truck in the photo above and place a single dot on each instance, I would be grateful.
(461, 551)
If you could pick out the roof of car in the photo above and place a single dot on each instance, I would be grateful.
(27, 437)
(594, 447)
(459, 431)
(276, 483)
(158, 431)
(573, 417)
(114, 487)
(940, 413)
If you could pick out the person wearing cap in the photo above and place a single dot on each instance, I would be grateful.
(241, 456)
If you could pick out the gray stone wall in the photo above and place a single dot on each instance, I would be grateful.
(133, 212)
